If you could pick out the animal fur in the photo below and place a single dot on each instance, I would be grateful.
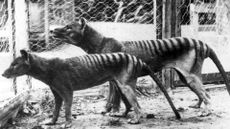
(185, 55)
(77, 73)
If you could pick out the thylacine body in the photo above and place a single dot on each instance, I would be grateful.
(77, 73)
(185, 55)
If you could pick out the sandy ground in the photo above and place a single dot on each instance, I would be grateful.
(87, 107)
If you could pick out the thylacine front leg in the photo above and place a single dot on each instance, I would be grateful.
(58, 103)
(68, 99)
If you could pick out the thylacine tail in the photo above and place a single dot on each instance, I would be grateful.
(215, 59)
(158, 82)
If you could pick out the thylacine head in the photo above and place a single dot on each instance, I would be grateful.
(20, 66)
(78, 34)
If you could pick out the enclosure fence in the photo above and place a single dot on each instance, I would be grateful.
(62, 12)
(185, 17)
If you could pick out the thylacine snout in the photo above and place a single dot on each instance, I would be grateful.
(57, 33)
(6, 74)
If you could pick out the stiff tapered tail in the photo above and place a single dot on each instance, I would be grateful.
(215, 59)
(160, 85)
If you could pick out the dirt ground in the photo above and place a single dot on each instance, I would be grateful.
(87, 108)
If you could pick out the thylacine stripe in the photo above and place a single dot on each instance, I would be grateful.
(103, 60)
(94, 61)
(109, 58)
(186, 43)
(160, 46)
(145, 50)
(175, 43)
(121, 58)
(179, 44)
(98, 60)
(115, 59)
(173, 47)
(168, 45)
(90, 59)
(207, 50)
(201, 49)
(140, 45)
(150, 49)
(156, 48)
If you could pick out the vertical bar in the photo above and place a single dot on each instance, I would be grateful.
(174, 30)
(155, 17)
(73, 10)
(173, 19)
(194, 20)
(163, 36)
(10, 25)
(167, 76)
(167, 18)
(178, 18)
(11, 9)
(159, 18)
(46, 7)
(28, 80)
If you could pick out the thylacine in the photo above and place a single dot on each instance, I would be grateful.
(185, 55)
(77, 73)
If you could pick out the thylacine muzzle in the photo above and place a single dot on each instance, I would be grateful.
(77, 73)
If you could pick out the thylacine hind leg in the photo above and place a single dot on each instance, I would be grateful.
(189, 66)
(113, 99)
(127, 89)
(128, 106)
(193, 81)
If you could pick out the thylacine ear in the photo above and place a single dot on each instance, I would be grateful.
(25, 55)
(82, 22)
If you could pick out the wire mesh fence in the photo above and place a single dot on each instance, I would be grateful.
(207, 15)
(62, 12)
(4, 38)
(129, 11)
(192, 16)
(203, 15)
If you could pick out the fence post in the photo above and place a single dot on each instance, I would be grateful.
(194, 20)
(155, 17)
(159, 18)
(169, 30)
(29, 79)
(12, 35)
(166, 32)
(167, 18)
(46, 4)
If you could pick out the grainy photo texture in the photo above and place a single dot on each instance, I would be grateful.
(121, 64)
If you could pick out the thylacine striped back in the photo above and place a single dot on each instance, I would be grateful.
(166, 46)
(106, 61)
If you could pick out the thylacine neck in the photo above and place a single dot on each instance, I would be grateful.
(40, 68)
(92, 40)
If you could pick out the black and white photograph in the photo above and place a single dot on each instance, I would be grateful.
(115, 64)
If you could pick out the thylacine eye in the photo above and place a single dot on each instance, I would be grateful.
(14, 65)
(69, 29)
